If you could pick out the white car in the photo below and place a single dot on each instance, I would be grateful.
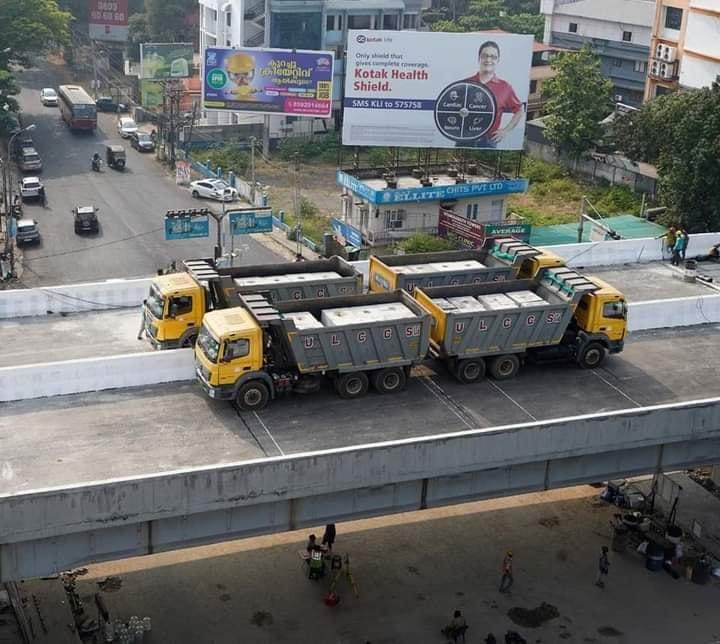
(126, 126)
(30, 187)
(213, 189)
(48, 96)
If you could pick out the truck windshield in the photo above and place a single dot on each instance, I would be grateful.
(155, 303)
(209, 345)
(615, 310)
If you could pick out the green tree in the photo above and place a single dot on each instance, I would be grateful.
(680, 134)
(8, 105)
(29, 27)
(480, 15)
(138, 33)
(166, 19)
(578, 99)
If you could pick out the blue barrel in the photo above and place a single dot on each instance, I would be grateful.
(654, 557)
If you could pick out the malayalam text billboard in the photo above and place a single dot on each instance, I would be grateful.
(436, 90)
(108, 20)
(271, 81)
(165, 61)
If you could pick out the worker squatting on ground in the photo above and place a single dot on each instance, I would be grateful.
(456, 628)
(507, 573)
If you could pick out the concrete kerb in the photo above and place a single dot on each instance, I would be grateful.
(74, 298)
(677, 312)
(42, 514)
(95, 374)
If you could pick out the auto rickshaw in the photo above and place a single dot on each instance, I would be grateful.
(115, 156)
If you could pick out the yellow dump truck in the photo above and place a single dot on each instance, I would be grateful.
(176, 303)
(255, 352)
(497, 260)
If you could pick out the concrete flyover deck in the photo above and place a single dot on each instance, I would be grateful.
(68, 440)
(43, 531)
(31, 340)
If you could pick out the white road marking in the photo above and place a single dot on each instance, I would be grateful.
(512, 400)
(267, 431)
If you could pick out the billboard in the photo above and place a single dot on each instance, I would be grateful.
(473, 234)
(436, 90)
(244, 222)
(108, 20)
(269, 81)
(186, 225)
(151, 94)
(166, 61)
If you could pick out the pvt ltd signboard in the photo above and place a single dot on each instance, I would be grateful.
(269, 81)
(108, 20)
(430, 193)
(436, 90)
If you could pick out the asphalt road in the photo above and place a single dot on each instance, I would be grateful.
(132, 203)
(89, 437)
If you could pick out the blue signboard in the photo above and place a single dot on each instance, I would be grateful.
(351, 234)
(186, 226)
(431, 193)
(243, 222)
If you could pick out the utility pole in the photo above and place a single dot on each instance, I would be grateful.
(581, 220)
(95, 69)
(252, 170)
(296, 208)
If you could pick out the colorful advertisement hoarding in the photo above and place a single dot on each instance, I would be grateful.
(269, 81)
(474, 234)
(108, 20)
(166, 61)
(436, 90)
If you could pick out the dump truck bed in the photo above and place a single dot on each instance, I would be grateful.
(497, 260)
(344, 334)
(500, 318)
(287, 281)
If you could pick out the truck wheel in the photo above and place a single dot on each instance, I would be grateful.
(470, 370)
(388, 381)
(591, 355)
(351, 385)
(252, 396)
(505, 367)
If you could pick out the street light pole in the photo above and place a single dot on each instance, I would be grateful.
(252, 170)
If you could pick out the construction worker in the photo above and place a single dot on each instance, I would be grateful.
(668, 238)
(603, 568)
(507, 573)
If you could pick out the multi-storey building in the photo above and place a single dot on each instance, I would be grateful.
(685, 46)
(618, 31)
(299, 24)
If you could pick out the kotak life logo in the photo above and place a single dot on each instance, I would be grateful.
(362, 39)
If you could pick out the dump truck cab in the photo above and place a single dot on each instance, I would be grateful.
(173, 311)
(529, 260)
(603, 314)
(229, 353)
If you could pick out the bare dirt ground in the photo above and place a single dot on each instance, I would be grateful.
(315, 182)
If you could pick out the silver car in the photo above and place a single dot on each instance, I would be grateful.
(27, 232)
(30, 187)
(126, 127)
(48, 97)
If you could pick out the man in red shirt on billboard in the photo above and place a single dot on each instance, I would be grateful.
(505, 98)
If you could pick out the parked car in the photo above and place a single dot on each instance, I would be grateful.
(30, 188)
(85, 219)
(213, 189)
(48, 97)
(109, 104)
(27, 232)
(126, 127)
(22, 141)
(28, 159)
(142, 141)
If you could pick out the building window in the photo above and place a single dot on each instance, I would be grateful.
(617, 62)
(410, 21)
(359, 22)
(533, 86)
(641, 66)
(333, 23)
(228, 19)
(394, 219)
(213, 15)
(627, 36)
(496, 209)
(573, 28)
(468, 211)
(228, 43)
(673, 18)
(390, 21)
